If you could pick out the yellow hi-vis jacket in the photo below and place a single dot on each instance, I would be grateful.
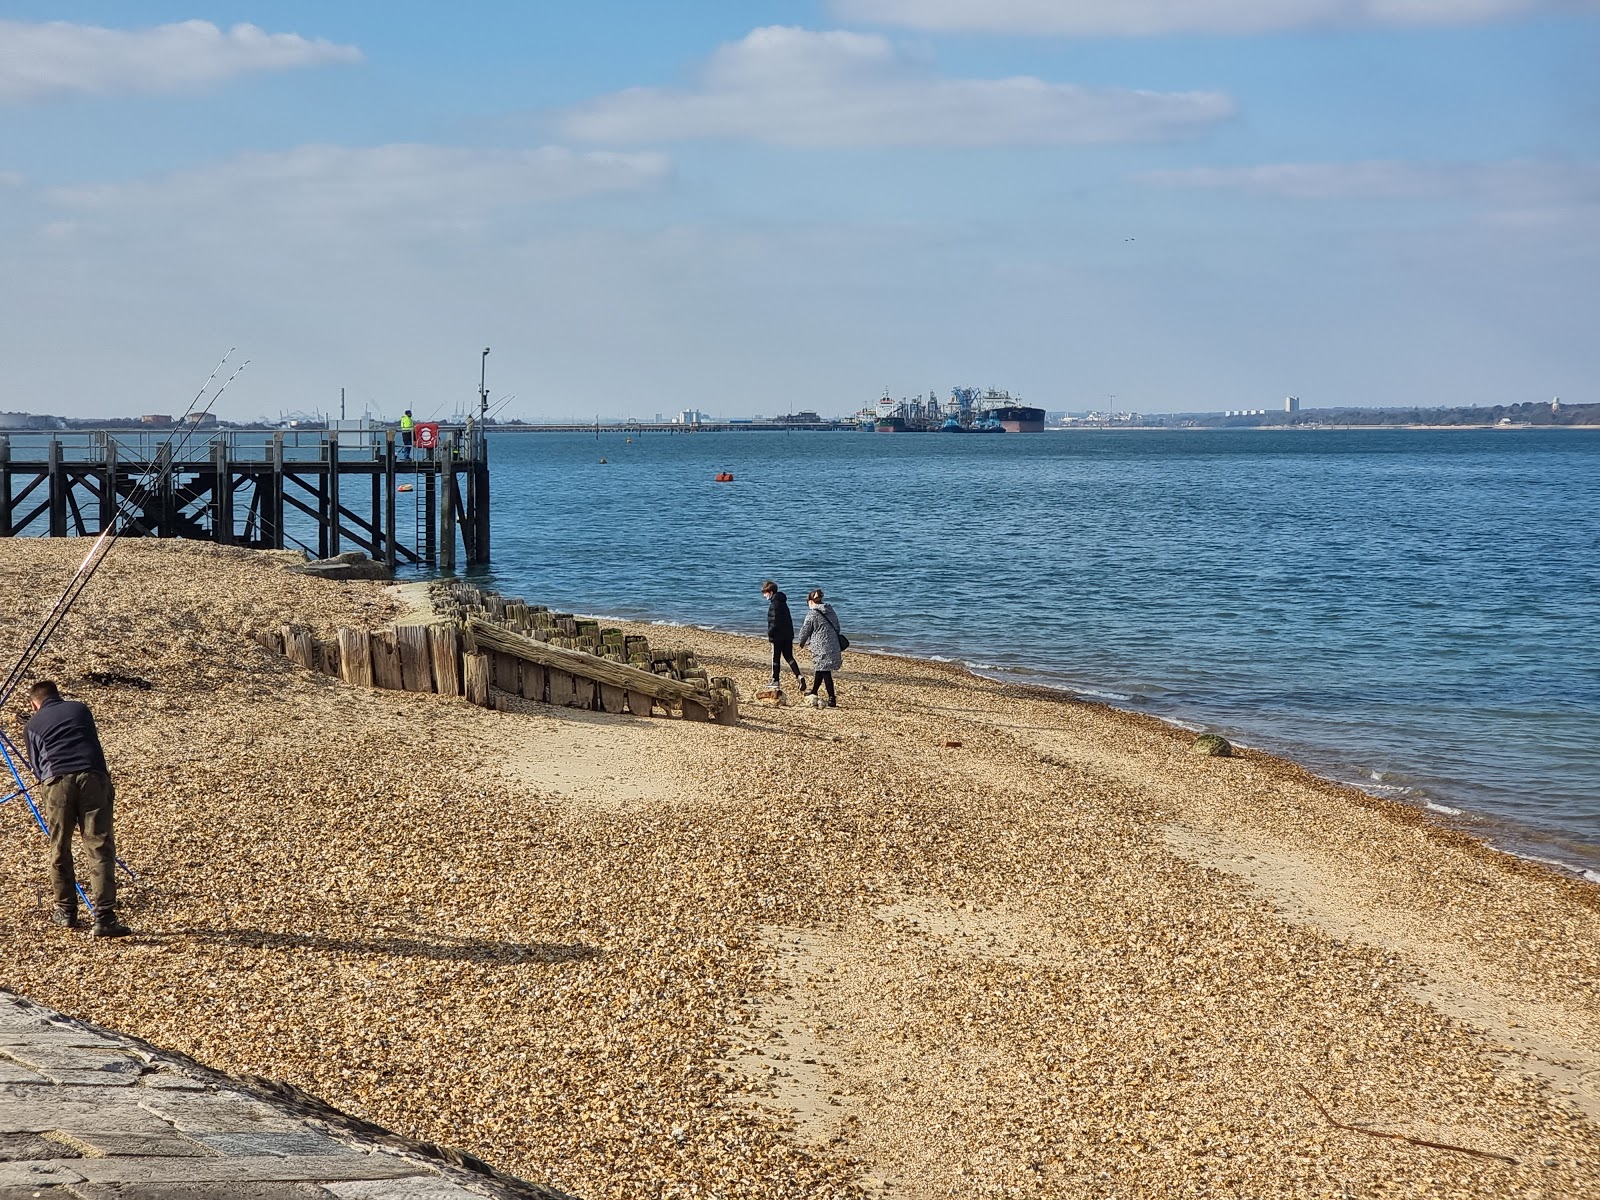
(405, 424)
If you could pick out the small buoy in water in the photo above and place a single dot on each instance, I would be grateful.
(602, 462)
(404, 487)
(724, 476)
(630, 441)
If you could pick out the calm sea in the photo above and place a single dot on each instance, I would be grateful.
(1415, 612)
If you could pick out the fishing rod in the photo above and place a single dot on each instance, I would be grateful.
(161, 464)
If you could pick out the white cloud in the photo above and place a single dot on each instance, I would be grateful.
(58, 58)
(1139, 18)
(797, 87)
(1509, 184)
(401, 189)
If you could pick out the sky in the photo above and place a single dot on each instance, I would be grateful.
(756, 208)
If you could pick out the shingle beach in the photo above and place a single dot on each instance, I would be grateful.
(953, 938)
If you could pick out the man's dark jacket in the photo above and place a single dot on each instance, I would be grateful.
(62, 740)
(780, 625)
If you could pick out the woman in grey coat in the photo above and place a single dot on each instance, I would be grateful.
(820, 635)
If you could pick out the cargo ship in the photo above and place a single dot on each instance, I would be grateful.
(999, 408)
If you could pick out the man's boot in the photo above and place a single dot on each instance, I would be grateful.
(106, 925)
(64, 917)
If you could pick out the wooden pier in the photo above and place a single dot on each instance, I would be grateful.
(238, 488)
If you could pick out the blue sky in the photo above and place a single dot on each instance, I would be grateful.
(754, 208)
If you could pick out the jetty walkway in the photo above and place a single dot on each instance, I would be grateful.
(86, 1114)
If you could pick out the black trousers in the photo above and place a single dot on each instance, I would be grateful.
(820, 680)
(783, 652)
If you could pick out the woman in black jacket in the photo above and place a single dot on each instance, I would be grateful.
(780, 632)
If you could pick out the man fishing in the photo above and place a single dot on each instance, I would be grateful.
(65, 754)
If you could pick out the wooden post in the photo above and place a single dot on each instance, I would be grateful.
(447, 503)
(416, 666)
(389, 499)
(355, 657)
(165, 525)
(332, 491)
(475, 677)
(299, 646)
(5, 486)
(387, 671)
(469, 528)
(221, 495)
(273, 510)
(445, 643)
(612, 698)
(108, 485)
(639, 704)
(693, 710)
(57, 483)
(480, 486)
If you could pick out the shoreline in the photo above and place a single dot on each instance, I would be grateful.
(954, 937)
(1468, 822)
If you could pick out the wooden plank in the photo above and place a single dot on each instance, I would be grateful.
(504, 674)
(299, 646)
(563, 688)
(386, 669)
(328, 658)
(445, 643)
(355, 657)
(693, 710)
(475, 676)
(638, 704)
(416, 657)
(533, 681)
(612, 698)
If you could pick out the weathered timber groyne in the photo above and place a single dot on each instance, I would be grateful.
(486, 648)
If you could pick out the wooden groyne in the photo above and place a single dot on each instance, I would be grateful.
(486, 648)
(356, 489)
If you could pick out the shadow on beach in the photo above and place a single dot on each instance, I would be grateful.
(401, 947)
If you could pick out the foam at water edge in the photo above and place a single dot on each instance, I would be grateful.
(1441, 808)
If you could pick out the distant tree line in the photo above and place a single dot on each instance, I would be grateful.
(1541, 413)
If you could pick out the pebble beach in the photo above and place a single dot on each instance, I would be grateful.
(953, 938)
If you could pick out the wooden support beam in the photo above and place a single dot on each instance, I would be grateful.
(58, 493)
(108, 484)
(480, 484)
(447, 504)
(273, 515)
(389, 484)
(332, 519)
(5, 487)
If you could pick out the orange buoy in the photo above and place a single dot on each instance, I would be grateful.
(724, 476)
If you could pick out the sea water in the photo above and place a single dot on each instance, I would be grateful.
(1416, 612)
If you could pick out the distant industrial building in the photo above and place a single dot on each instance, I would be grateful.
(1291, 404)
